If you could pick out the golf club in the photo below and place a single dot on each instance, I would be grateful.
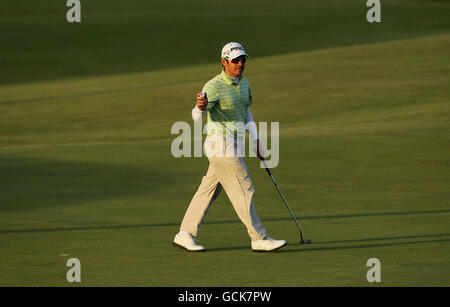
(302, 241)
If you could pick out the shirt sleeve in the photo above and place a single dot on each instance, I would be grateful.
(251, 126)
(250, 98)
(197, 114)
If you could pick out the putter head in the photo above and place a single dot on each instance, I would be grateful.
(305, 241)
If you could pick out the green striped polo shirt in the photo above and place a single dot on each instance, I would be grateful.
(227, 104)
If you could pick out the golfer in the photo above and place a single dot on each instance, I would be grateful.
(227, 106)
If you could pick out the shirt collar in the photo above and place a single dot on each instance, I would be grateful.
(228, 80)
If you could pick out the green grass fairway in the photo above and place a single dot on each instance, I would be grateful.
(86, 172)
(141, 35)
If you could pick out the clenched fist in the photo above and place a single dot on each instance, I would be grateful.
(202, 101)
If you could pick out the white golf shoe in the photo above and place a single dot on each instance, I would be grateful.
(267, 244)
(186, 241)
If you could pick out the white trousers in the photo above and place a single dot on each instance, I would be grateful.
(232, 175)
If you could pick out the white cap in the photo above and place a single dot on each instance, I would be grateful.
(232, 50)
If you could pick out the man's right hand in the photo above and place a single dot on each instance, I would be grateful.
(202, 102)
(259, 150)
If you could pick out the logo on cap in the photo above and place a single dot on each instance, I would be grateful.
(233, 50)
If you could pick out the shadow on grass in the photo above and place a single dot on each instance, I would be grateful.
(296, 248)
(176, 224)
(28, 183)
(375, 245)
(311, 248)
